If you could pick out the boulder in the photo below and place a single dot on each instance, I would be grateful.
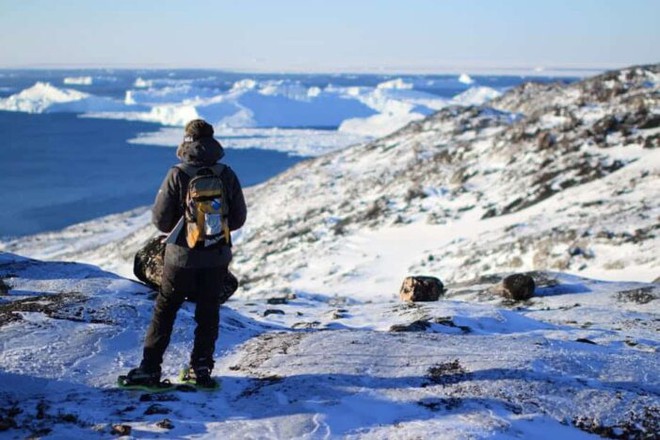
(518, 287)
(148, 268)
(421, 288)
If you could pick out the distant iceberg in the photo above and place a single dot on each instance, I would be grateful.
(249, 103)
(46, 98)
(465, 79)
(40, 97)
(475, 96)
(142, 83)
(79, 80)
(398, 83)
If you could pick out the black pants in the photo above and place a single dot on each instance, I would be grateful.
(200, 285)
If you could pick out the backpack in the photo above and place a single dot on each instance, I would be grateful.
(206, 207)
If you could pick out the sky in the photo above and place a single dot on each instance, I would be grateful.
(329, 35)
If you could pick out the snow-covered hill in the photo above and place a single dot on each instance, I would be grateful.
(563, 180)
(583, 354)
(547, 177)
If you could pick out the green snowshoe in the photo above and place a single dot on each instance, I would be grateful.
(199, 377)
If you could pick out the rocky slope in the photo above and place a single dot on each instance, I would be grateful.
(546, 177)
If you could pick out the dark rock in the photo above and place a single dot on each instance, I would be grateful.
(518, 287)
(643, 295)
(165, 424)
(652, 141)
(148, 268)
(7, 423)
(120, 430)
(652, 121)
(585, 341)
(416, 326)
(447, 373)
(545, 140)
(605, 125)
(447, 321)
(273, 312)
(4, 288)
(278, 300)
(156, 409)
(421, 288)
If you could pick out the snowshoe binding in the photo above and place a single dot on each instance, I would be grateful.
(199, 377)
(140, 379)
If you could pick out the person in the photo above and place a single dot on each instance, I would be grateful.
(197, 272)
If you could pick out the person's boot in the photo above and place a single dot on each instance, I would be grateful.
(141, 376)
(200, 376)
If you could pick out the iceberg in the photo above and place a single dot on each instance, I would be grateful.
(465, 79)
(379, 125)
(46, 98)
(40, 97)
(249, 103)
(142, 83)
(475, 96)
(395, 84)
(79, 80)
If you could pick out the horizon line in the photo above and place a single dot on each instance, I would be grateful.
(526, 70)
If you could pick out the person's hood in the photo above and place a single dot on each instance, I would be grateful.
(204, 151)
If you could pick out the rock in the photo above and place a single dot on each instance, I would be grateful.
(585, 341)
(545, 140)
(517, 287)
(165, 424)
(4, 288)
(277, 300)
(7, 423)
(148, 268)
(156, 409)
(652, 141)
(273, 312)
(121, 430)
(421, 288)
(605, 125)
(416, 326)
(652, 121)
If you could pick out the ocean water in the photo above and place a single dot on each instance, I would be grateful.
(67, 159)
(58, 169)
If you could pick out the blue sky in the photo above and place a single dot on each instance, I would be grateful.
(332, 35)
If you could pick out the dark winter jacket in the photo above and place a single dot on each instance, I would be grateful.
(170, 201)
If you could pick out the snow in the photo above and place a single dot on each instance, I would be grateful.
(378, 125)
(330, 367)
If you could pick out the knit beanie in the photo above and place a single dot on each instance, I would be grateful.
(198, 129)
